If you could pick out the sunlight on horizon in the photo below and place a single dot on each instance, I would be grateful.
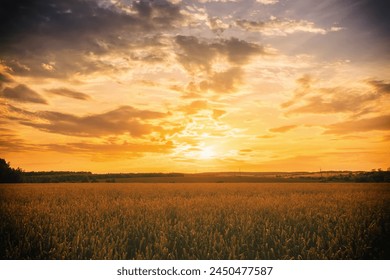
(207, 153)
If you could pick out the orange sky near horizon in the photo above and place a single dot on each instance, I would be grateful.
(194, 86)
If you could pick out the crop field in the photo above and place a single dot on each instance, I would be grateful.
(195, 221)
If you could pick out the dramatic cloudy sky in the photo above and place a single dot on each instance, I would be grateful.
(186, 86)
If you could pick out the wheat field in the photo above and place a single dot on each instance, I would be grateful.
(195, 221)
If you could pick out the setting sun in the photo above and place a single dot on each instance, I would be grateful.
(207, 153)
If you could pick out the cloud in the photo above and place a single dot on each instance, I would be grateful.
(106, 149)
(217, 82)
(195, 106)
(223, 82)
(265, 136)
(125, 119)
(199, 56)
(357, 99)
(280, 27)
(240, 51)
(217, 1)
(217, 113)
(217, 25)
(5, 78)
(15, 113)
(348, 102)
(10, 142)
(267, 2)
(69, 93)
(196, 54)
(283, 129)
(304, 87)
(264, 2)
(202, 105)
(362, 125)
(24, 94)
(70, 36)
(386, 138)
(381, 87)
(109, 149)
(86, 21)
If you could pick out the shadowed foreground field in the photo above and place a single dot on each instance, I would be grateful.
(195, 221)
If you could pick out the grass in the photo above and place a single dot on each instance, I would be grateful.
(195, 221)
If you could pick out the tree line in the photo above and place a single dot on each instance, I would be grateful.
(17, 175)
(9, 174)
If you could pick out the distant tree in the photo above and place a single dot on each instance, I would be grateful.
(8, 174)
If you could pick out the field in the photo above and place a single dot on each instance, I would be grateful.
(195, 221)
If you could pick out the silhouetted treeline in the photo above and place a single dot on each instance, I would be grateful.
(67, 176)
(9, 174)
(57, 177)
(12, 175)
(374, 176)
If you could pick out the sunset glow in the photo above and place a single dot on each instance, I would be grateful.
(207, 153)
(185, 86)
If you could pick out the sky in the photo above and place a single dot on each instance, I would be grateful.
(195, 86)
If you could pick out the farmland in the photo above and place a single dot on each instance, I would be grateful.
(195, 221)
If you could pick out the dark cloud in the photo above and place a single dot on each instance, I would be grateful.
(125, 119)
(196, 54)
(15, 113)
(381, 87)
(44, 38)
(69, 93)
(86, 21)
(24, 94)
(5, 78)
(223, 82)
(61, 24)
(159, 14)
(240, 51)
(217, 82)
(376, 13)
(362, 125)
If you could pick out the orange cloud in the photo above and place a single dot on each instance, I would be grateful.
(22, 93)
(362, 125)
(69, 93)
(283, 129)
(125, 119)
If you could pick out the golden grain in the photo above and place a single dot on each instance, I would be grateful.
(194, 221)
